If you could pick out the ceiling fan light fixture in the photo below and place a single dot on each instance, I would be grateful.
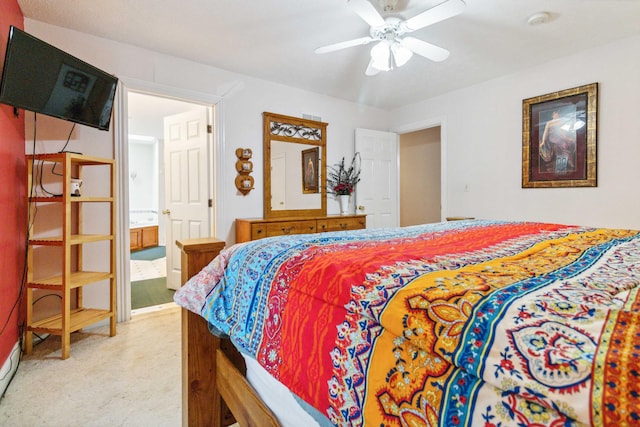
(401, 55)
(380, 55)
(393, 48)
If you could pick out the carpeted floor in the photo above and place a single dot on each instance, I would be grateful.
(132, 379)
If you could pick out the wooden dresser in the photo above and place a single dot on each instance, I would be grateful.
(258, 228)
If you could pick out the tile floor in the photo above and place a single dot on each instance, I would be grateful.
(143, 270)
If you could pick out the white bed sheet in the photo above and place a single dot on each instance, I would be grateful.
(277, 397)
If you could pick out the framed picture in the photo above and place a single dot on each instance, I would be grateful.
(310, 170)
(559, 138)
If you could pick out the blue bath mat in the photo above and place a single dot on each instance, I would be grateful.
(149, 254)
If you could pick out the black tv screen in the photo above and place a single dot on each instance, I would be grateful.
(42, 78)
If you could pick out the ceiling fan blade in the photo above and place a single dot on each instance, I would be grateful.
(344, 45)
(422, 48)
(371, 70)
(367, 12)
(445, 10)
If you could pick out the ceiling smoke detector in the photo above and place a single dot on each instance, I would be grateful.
(539, 18)
(388, 5)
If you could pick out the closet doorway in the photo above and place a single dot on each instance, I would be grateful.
(420, 176)
(151, 226)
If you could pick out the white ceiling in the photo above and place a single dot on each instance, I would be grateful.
(274, 39)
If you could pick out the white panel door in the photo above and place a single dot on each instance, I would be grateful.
(186, 184)
(377, 194)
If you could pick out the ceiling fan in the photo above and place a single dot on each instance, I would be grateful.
(392, 49)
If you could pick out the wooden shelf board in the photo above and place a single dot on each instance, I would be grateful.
(77, 279)
(76, 239)
(80, 318)
(60, 199)
(46, 199)
(92, 199)
(46, 241)
(76, 158)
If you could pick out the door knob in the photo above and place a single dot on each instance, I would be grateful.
(361, 208)
(166, 212)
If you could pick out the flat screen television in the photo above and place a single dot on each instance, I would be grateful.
(44, 79)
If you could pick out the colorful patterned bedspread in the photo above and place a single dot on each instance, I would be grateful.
(474, 323)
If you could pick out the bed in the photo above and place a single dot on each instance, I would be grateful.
(457, 323)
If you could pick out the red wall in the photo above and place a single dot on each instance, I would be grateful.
(13, 206)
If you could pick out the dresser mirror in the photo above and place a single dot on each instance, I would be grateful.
(294, 167)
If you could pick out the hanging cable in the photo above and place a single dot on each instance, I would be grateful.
(68, 139)
(41, 183)
(63, 151)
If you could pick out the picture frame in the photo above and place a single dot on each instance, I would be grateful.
(559, 138)
(310, 163)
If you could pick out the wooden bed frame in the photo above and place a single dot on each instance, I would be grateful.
(215, 391)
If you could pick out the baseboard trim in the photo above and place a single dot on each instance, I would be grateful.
(9, 368)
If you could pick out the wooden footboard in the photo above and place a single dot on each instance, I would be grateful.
(214, 389)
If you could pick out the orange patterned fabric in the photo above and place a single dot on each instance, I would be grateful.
(322, 287)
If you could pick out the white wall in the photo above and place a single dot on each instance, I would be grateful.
(484, 142)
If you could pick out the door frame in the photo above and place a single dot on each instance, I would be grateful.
(121, 154)
(426, 124)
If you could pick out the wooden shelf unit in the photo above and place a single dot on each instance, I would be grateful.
(71, 277)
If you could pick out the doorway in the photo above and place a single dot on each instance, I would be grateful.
(431, 139)
(149, 220)
(420, 172)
